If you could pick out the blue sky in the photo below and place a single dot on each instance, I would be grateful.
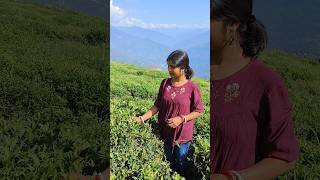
(153, 14)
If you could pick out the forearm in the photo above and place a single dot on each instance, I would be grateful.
(266, 169)
(192, 116)
(152, 111)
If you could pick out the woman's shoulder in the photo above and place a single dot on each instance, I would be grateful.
(165, 80)
(270, 78)
(193, 84)
(266, 74)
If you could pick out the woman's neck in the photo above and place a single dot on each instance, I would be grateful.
(227, 63)
(179, 80)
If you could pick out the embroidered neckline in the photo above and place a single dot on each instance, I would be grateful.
(174, 91)
(243, 69)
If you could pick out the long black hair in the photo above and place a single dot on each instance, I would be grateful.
(253, 35)
(179, 58)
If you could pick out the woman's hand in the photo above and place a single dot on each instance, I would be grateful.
(218, 177)
(136, 119)
(174, 122)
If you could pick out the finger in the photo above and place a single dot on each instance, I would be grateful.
(172, 125)
(169, 124)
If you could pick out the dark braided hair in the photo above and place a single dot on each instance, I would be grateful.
(179, 58)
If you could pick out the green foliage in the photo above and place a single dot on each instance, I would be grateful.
(136, 150)
(53, 92)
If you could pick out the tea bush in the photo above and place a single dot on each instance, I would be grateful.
(53, 92)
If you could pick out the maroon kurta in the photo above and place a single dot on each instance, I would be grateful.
(175, 101)
(251, 119)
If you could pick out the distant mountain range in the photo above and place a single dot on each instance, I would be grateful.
(292, 25)
(150, 48)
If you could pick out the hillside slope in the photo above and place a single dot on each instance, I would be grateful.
(53, 92)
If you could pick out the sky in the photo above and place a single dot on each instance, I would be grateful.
(160, 14)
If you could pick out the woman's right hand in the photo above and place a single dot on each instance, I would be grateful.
(136, 119)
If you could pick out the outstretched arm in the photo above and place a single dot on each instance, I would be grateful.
(152, 111)
(268, 168)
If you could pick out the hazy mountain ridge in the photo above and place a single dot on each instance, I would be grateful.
(142, 46)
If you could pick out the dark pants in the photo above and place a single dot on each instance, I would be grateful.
(177, 156)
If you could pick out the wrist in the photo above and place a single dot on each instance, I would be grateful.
(237, 175)
(233, 175)
(183, 119)
(141, 119)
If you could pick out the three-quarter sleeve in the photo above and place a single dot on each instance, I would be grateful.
(197, 105)
(278, 137)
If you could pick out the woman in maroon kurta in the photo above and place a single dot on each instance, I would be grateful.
(178, 103)
(252, 134)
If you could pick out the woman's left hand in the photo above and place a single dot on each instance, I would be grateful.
(174, 122)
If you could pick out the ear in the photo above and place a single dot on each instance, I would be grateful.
(233, 27)
(183, 71)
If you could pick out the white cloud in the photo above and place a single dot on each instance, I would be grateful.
(116, 11)
(120, 18)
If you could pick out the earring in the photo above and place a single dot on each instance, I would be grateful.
(231, 42)
(183, 72)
